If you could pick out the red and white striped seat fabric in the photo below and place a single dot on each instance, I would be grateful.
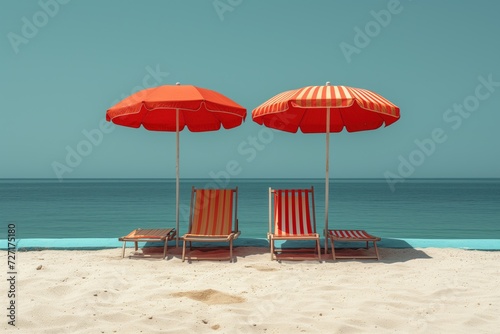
(294, 217)
(353, 235)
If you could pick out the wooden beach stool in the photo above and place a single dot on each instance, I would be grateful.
(149, 235)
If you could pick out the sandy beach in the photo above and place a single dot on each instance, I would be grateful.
(407, 291)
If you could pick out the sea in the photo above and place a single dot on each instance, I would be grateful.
(109, 208)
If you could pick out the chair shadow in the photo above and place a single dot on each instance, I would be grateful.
(150, 250)
(296, 250)
(242, 247)
(203, 251)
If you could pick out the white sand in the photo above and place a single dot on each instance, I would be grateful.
(407, 291)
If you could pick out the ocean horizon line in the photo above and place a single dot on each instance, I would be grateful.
(245, 178)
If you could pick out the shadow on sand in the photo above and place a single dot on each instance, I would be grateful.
(390, 250)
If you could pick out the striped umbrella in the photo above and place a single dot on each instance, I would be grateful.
(325, 109)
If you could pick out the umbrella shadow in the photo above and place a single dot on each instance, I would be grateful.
(405, 253)
(402, 255)
(387, 251)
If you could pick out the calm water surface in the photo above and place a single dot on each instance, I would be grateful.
(431, 209)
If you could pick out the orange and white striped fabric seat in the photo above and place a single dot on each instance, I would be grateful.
(293, 218)
(211, 217)
(212, 212)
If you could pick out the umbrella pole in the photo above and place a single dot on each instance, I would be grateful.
(177, 177)
(325, 232)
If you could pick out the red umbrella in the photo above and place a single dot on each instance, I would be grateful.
(172, 108)
(325, 109)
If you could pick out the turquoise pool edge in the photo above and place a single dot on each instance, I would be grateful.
(103, 243)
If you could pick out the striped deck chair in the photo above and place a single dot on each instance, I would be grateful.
(292, 218)
(211, 218)
(352, 236)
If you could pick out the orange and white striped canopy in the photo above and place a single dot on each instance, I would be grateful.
(354, 109)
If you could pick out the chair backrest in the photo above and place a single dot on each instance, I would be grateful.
(292, 211)
(212, 210)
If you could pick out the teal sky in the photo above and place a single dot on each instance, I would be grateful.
(64, 63)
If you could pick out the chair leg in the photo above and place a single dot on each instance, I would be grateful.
(165, 249)
(271, 244)
(231, 250)
(319, 250)
(376, 250)
(183, 250)
(333, 250)
(123, 252)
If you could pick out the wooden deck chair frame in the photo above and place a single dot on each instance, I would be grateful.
(352, 236)
(304, 205)
(149, 235)
(205, 222)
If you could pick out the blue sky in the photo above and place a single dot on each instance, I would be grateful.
(64, 63)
